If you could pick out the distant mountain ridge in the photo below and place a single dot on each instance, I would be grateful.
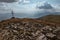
(21, 15)
(51, 18)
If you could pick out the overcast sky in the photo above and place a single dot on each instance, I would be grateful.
(27, 6)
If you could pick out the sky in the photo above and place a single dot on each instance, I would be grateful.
(30, 7)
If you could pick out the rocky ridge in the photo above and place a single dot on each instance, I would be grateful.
(28, 29)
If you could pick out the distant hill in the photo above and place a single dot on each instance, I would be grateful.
(51, 18)
(23, 15)
(5, 16)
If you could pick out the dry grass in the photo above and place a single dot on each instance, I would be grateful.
(47, 20)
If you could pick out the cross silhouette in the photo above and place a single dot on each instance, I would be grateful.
(12, 14)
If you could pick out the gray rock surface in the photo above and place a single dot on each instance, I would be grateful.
(29, 31)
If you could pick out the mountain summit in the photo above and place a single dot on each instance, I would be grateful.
(28, 29)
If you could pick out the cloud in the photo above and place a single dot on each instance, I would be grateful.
(9, 1)
(45, 6)
(28, 9)
(26, 1)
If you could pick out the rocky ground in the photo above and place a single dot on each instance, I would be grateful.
(28, 30)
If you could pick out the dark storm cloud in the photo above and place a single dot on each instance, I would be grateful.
(9, 1)
(45, 6)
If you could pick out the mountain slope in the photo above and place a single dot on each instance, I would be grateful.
(51, 18)
(28, 29)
